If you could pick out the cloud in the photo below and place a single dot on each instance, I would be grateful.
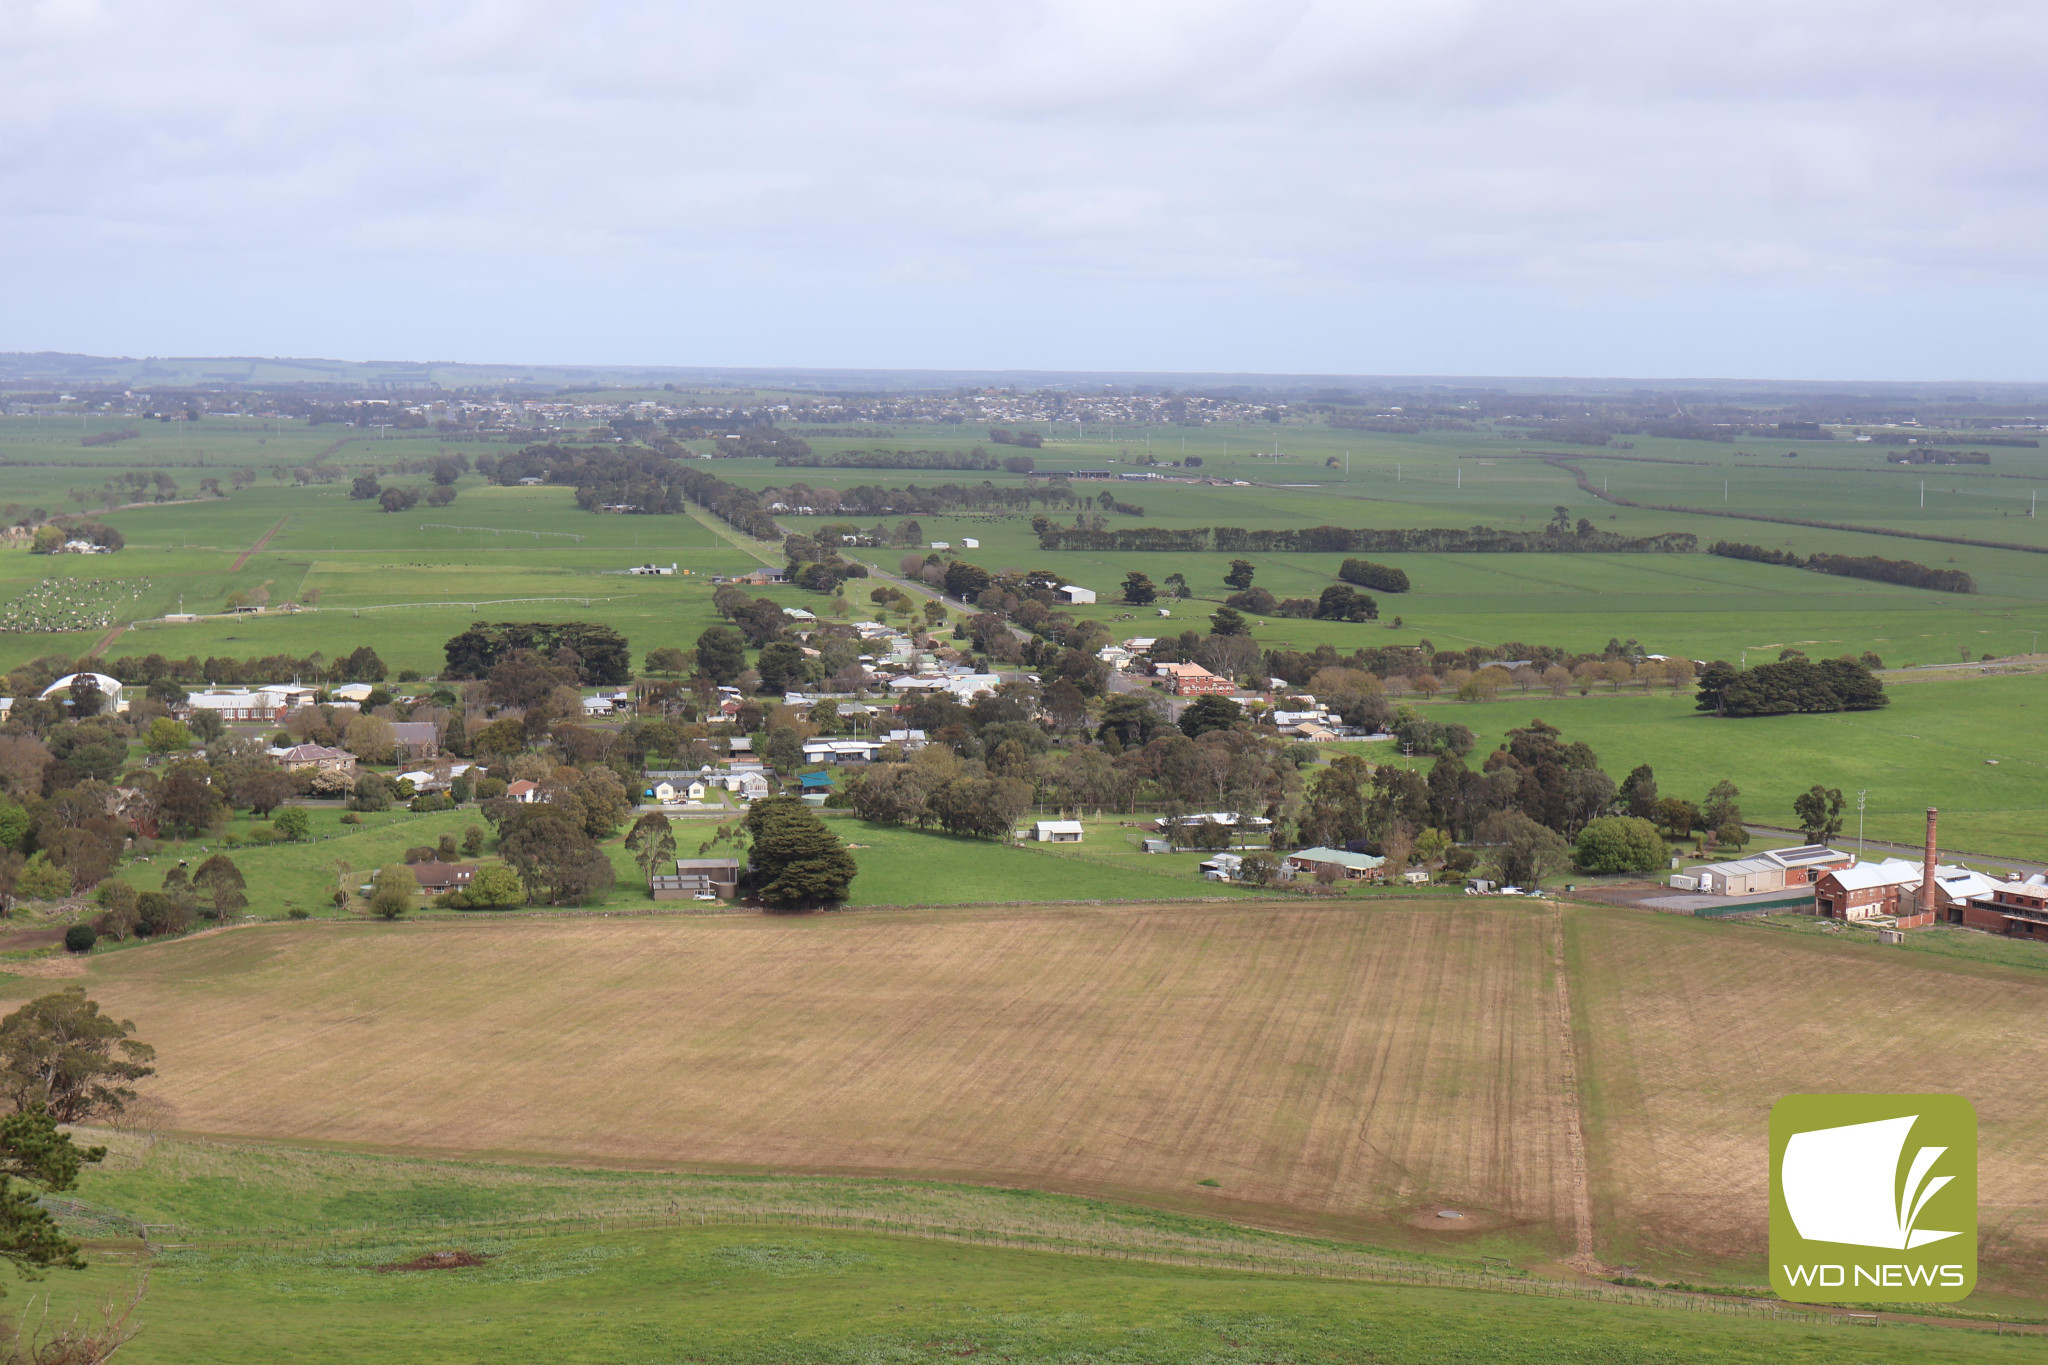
(1061, 183)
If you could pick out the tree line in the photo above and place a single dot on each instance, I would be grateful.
(1901, 571)
(977, 458)
(1584, 539)
(1789, 687)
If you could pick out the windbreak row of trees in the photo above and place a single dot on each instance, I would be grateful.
(977, 458)
(1584, 539)
(1901, 571)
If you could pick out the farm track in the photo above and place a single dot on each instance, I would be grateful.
(262, 541)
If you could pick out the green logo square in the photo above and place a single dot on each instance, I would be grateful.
(1873, 1198)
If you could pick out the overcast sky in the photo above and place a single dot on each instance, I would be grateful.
(1816, 189)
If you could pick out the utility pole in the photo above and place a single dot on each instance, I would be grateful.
(1923, 494)
(1859, 824)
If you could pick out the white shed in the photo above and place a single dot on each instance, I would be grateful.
(1079, 597)
(1058, 831)
(969, 543)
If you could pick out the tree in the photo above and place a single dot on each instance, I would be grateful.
(364, 487)
(371, 739)
(33, 1152)
(651, 841)
(1620, 843)
(1342, 602)
(264, 790)
(1240, 575)
(795, 861)
(369, 793)
(1177, 585)
(1229, 621)
(40, 879)
(1638, 794)
(965, 581)
(1677, 818)
(59, 1055)
(1732, 836)
(668, 661)
(292, 822)
(1719, 808)
(721, 654)
(1819, 811)
(783, 667)
(552, 854)
(494, 888)
(1210, 713)
(1525, 851)
(398, 499)
(223, 882)
(1138, 589)
(396, 892)
(167, 736)
(186, 800)
(1335, 811)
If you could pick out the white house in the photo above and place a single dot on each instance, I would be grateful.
(1058, 831)
(597, 706)
(1076, 596)
(664, 792)
(750, 786)
(524, 792)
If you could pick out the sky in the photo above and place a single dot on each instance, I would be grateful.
(1829, 189)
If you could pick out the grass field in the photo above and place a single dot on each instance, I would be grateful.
(1929, 747)
(777, 1296)
(1343, 1071)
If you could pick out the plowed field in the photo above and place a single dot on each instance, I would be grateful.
(1323, 1066)
(1695, 1030)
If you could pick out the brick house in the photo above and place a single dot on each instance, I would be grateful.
(1193, 680)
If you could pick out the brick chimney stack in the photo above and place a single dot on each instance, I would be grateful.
(1927, 868)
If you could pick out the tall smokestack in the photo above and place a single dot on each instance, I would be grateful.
(1927, 868)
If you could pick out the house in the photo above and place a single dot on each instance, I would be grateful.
(749, 786)
(652, 570)
(840, 750)
(695, 877)
(1215, 817)
(664, 792)
(437, 877)
(1057, 831)
(1313, 733)
(1193, 680)
(597, 706)
(1416, 876)
(696, 791)
(911, 740)
(524, 792)
(532, 481)
(313, 758)
(415, 739)
(1357, 867)
(424, 780)
(1075, 596)
(2012, 907)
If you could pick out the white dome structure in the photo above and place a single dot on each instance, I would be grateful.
(110, 688)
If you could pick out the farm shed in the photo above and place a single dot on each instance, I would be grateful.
(1057, 831)
(1076, 596)
(698, 877)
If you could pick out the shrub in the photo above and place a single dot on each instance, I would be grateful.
(298, 912)
(42, 880)
(430, 802)
(351, 818)
(79, 938)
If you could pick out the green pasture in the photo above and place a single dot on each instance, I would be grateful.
(277, 1252)
(915, 867)
(1929, 747)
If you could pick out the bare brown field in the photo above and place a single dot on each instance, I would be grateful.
(1333, 1068)
(1690, 1031)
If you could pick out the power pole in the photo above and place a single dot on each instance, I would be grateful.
(1859, 824)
